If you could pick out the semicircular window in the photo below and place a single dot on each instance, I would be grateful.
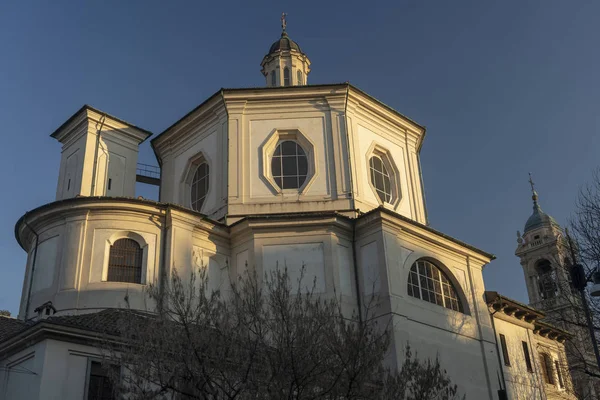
(427, 282)
(289, 165)
(380, 178)
(199, 188)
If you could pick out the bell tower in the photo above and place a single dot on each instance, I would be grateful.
(545, 258)
(99, 155)
(543, 251)
(285, 64)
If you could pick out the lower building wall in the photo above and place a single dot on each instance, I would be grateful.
(530, 383)
(21, 373)
(49, 370)
(467, 360)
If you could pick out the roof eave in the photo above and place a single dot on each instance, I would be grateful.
(86, 107)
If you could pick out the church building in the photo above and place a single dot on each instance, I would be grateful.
(322, 176)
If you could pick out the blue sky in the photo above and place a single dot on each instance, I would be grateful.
(504, 88)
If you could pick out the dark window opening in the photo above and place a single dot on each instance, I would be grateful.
(125, 262)
(547, 371)
(286, 76)
(69, 184)
(561, 383)
(273, 78)
(527, 357)
(546, 280)
(100, 387)
(504, 350)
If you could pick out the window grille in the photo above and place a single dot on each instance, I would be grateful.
(199, 188)
(125, 262)
(380, 178)
(427, 282)
(289, 165)
(100, 387)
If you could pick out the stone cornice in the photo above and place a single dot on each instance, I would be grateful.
(518, 313)
(396, 222)
(357, 99)
(98, 205)
(88, 113)
(258, 94)
(210, 109)
(322, 220)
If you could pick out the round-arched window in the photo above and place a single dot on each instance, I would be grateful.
(199, 188)
(289, 165)
(273, 79)
(380, 178)
(427, 282)
(125, 261)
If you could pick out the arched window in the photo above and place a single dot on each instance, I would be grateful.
(286, 76)
(125, 261)
(299, 77)
(547, 369)
(289, 165)
(546, 279)
(380, 178)
(273, 79)
(199, 188)
(427, 282)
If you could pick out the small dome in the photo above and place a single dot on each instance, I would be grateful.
(284, 43)
(539, 218)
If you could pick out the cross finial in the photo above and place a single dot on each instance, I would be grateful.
(534, 195)
(531, 183)
(283, 22)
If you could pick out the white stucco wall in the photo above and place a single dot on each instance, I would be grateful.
(72, 257)
(373, 133)
(524, 384)
(48, 370)
(303, 262)
(463, 342)
(20, 374)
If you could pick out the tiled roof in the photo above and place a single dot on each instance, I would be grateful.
(102, 322)
(106, 321)
(11, 326)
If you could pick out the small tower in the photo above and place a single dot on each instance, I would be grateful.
(99, 155)
(285, 64)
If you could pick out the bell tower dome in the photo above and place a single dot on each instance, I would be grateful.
(285, 64)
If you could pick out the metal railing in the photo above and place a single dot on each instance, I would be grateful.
(150, 171)
(149, 174)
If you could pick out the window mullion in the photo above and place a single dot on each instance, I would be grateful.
(441, 287)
